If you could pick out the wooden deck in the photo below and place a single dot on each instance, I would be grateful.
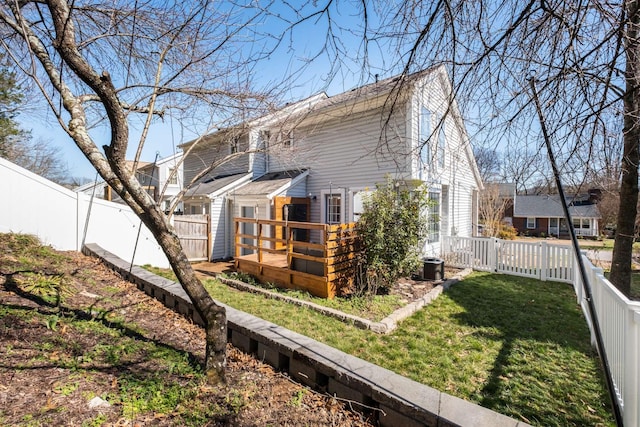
(324, 269)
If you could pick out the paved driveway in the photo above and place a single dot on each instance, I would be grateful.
(599, 255)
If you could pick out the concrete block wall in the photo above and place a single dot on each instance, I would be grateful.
(395, 400)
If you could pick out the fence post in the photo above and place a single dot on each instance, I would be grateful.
(544, 260)
(493, 251)
(631, 408)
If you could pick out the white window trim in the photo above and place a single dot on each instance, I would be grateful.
(323, 208)
(434, 195)
(234, 145)
(286, 140)
(529, 227)
(424, 136)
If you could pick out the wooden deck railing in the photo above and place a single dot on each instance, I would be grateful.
(325, 268)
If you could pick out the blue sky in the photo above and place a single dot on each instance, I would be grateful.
(293, 53)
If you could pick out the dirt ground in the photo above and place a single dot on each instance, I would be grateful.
(33, 396)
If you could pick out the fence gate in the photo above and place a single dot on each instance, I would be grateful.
(194, 232)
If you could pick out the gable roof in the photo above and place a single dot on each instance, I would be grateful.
(549, 206)
(290, 108)
(319, 103)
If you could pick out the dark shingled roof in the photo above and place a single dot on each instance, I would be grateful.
(549, 206)
(212, 185)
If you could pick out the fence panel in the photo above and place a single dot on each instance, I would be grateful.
(518, 258)
(194, 232)
(558, 263)
(619, 321)
(469, 252)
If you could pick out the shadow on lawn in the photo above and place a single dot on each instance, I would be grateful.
(90, 314)
(545, 348)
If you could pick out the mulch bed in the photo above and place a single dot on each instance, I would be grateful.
(33, 395)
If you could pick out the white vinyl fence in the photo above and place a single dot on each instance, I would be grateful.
(538, 260)
(58, 216)
(618, 317)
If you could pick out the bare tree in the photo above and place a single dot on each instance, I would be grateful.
(584, 57)
(492, 208)
(40, 157)
(103, 66)
(488, 162)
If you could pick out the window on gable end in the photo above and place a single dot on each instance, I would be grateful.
(425, 133)
(172, 177)
(286, 139)
(442, 143)
(234, 144)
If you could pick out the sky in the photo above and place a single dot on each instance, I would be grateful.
(294, 51)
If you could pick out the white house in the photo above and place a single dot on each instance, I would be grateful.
(314, 160)
(162, 179)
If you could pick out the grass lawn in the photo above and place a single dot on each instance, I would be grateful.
(517, 346)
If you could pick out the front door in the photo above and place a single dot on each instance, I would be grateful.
(291, 209)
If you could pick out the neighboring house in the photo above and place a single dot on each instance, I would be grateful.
(163, 180)
(315, 159)
(543, 215)
(158, 179)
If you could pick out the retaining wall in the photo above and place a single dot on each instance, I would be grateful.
(396, 400)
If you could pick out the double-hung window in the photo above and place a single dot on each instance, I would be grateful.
(425, 133)
(233, 145)
(173, 177)
(333, 203)
(433, 218)
(531, 223)
(442, 142)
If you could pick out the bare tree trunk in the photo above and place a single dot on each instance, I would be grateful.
(113, 168)
(214, 316)
(625, 230)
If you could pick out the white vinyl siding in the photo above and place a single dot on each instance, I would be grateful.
(342, 152)
(425, 134)
(219, 223)
(207, 152)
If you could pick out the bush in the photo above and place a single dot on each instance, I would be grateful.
(507, 232)
(393, 228)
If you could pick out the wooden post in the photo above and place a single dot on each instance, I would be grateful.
(237, 237)
(289, 247)
(259, 239)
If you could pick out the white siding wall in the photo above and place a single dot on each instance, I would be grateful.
(297, 190)
(457, 174)
(164, 171)
(219, 248)
(342, 154)
(258, 159)
(207, 152)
